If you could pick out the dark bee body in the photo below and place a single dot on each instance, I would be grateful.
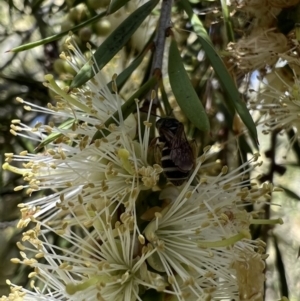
(177, 158)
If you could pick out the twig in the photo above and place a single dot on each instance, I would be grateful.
(159, 45)
(164, 24)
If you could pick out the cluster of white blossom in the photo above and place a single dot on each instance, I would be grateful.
(124, 236)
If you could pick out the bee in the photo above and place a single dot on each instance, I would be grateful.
(177, 156)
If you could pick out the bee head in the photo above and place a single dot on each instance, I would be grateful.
(170, 124)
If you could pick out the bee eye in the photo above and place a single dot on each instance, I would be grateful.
(169, 123)
(158, 123)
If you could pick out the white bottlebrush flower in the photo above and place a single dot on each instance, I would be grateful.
(202, 238)
(104, 262)
(278, 103)
(18, 293)
(119, 241)
(111, 170)
(258, 50)
(197, 247)
(103, 172)
(86, 108)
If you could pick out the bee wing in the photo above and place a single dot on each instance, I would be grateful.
(181, 152)
(168, 135)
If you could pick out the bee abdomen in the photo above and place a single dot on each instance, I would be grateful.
(171, 171)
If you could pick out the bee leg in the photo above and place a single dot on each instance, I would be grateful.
(154, 157)
(195, 148)
(154, 152)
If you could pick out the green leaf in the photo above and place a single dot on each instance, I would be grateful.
(65, 125)
(184, 92)
(126, 73)
(115, 5)
(225, 78)
(114, 42)
(57, 36)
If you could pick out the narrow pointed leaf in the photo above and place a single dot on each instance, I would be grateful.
(65, 125)
(234, 99)
(126, 73)
(116, 5)
(57, 36)
(114, 42)
(184, 92)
